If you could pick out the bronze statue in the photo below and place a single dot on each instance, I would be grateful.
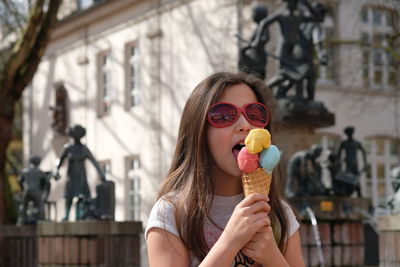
(350, 146)
(253, 57)
(35, 189)
(77, 153)
(311, 39)
(292, 68)
(345, 182)
(304, 174)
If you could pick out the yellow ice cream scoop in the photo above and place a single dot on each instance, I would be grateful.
(257, 140)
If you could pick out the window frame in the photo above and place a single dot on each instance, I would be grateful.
(104, 85)
(380, 163)
(377, 76)
(330, 31)
(106, 167)
(132, 61)
(133, 210)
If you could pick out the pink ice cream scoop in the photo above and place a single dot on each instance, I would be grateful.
(247, 162)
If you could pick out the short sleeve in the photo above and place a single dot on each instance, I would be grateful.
(292, 221)
(162, 216)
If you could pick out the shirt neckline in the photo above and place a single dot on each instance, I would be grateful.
(228, 199)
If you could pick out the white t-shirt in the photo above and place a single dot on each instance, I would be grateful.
(162, 216)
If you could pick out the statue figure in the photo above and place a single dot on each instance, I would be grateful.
(345, 182)
(350, 146)
(311, 38)
(304, 174)
(77, 153)
(35, 189)
(394, 201)
(252, 57)
(292, 69)
(332, 164)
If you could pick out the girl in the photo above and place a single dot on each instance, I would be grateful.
(201, 218)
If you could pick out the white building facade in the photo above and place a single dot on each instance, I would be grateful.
(129, 65)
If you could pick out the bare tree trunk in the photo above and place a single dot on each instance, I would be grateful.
(5, 138)
(17, 74)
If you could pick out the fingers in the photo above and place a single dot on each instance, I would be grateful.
(260, 220)
(260, 243)
(253, 198)
(259, 206)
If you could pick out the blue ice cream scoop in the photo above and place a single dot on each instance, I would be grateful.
(269, 158)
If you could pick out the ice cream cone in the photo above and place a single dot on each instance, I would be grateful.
(258, 181)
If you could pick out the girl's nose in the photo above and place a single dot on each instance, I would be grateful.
(242, 125)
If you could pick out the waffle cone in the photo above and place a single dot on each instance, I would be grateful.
(256, 182)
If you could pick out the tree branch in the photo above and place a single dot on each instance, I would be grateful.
(28, 68)
(23, 47)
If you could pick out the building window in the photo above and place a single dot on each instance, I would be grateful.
(132, 73)
(394, 148)
(105, 166)
(104, 83)
(381, 160)
(328, 141)
(133, 187)
(326, 73)
(380, 69)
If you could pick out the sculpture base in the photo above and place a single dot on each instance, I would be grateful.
(305, 111)
(294, 128)
(389, 236)
(332, 208)
(84, 243)
(339, 226)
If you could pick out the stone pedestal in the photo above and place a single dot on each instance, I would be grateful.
(340, 226)
(295, 124)
(291, 137)
(18, 246)
(98, 243)
(83, 243)
(389, 240)
(332, 208)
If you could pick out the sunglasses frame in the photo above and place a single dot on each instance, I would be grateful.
(239, 110)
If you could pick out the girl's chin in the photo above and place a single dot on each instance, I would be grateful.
(233, 172)
(236, 172)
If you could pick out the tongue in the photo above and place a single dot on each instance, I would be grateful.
(235, 152)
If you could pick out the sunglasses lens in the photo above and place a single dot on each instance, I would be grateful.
(257, 114)
(223, 114)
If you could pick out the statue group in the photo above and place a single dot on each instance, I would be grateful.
(305, 171)
(301, 34)
(35, 185)
(302, 37)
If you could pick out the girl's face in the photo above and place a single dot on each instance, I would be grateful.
(224, 143)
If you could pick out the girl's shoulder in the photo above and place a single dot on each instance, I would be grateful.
(162, 216)
(285, 204)
(163, 207)
(293, 224)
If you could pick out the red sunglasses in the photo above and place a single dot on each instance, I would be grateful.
(225, 114)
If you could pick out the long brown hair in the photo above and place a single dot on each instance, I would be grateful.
(188, 183)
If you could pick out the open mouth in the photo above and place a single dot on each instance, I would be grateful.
(237, 148)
